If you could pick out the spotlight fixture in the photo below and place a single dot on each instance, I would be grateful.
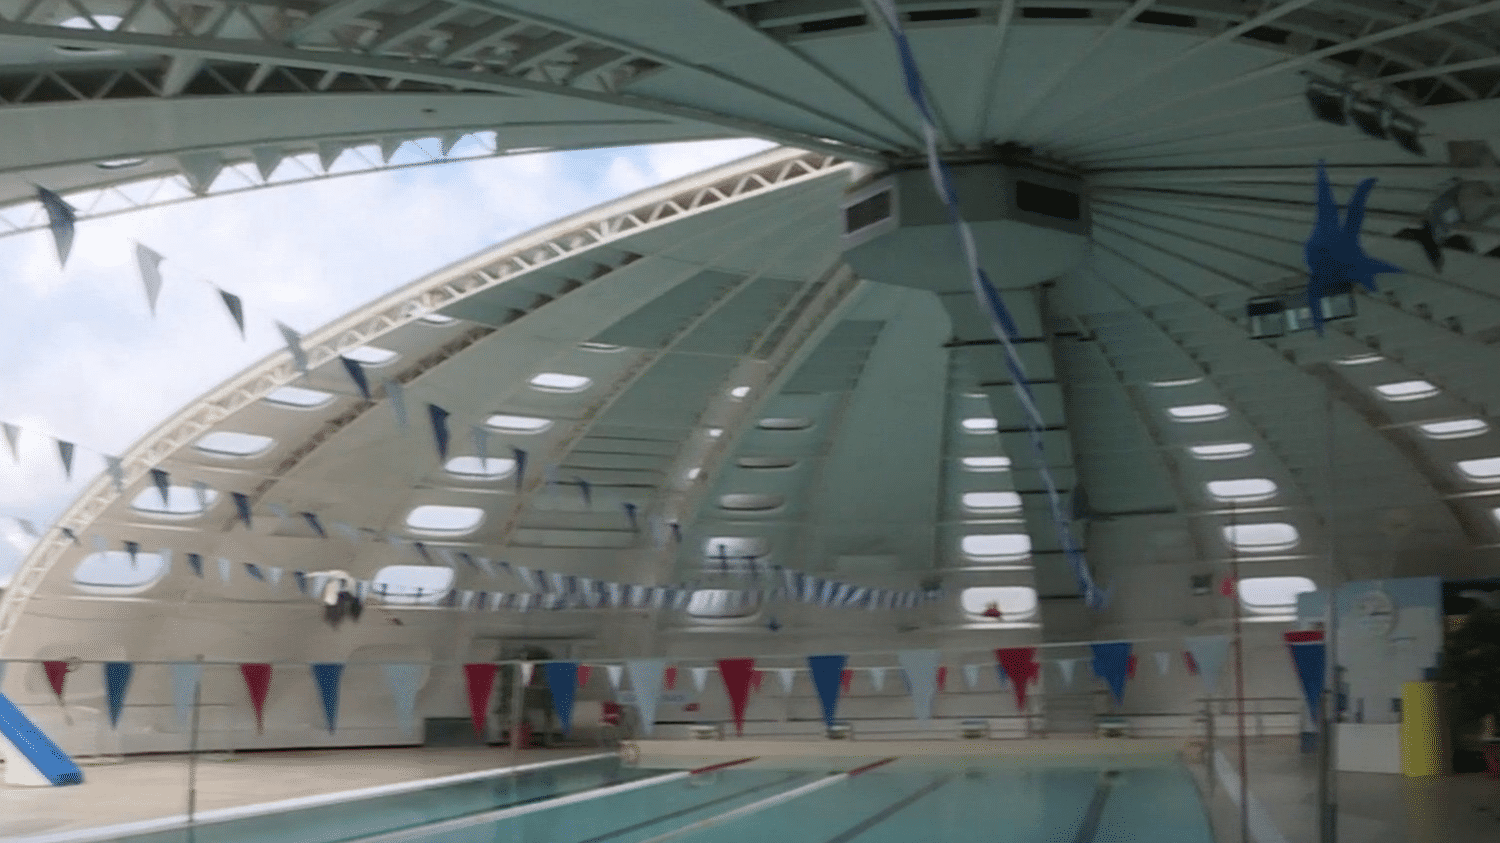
(1328, 102)
(1404, 131)
(1369, 117)
(1276, 315)
(1267, 316)
(1340, 105)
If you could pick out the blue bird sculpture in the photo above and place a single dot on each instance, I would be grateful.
(1335, 260)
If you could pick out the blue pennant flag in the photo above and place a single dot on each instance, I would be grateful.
(562, 681)
(397, 395)
(587, 491)
(254, 571)
(1112, 664)
(300, 578)
(242, 507)
(327, 676)
(116, 681)
(357, 374)
(827, 675)
(163, 483)
(236, 309)
(317, 526)
(630, 513)
(65, 453)
(60, 218)
(439, 418)
(520, 457)
(132, 550)
(195, 561)
(1310, 657)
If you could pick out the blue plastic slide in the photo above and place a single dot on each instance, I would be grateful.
(30, 744)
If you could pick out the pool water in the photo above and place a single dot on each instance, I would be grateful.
(904, 802)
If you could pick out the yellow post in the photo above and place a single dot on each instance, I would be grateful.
(1421, 730)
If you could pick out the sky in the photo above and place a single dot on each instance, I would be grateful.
(84, 359)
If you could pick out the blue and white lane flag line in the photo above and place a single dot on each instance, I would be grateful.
(1000, 319)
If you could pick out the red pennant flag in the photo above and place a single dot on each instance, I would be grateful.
(670, 678)
(845, 679)
(1130, 668)
(942, 676)
(480, 678)
(1192, 663)
(736, 674)
(57, 673)
(756, 677)
(1226, 587)
(583, 674)
(258, 682)
(1020, 664)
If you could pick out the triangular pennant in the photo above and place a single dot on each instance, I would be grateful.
(645, 681)
(327, 675)
(1019, 663)
(827, 675)
(1189, 663)
(242, 507)
(439, 418)
(405, 680)
(236, 309)
(357, 374)
(520, 457)
(613, 671)
(756, 678)
(632, 517)
(224, 569)
(397, 395)
(1067, 667)
(971, 676)
(300, 578)
(1309, 656)
(1163, 663)
(254, 571)
(700, 678)
(293, 342)
(314, 524)
(185, 679)
(736, 674)
(584, 672)
(877, 678)
(115, 467)
(787, 676)
(132, 552)
(562, 681)
(1112, 664)
(200, 494)
(163, 483)
(1209, 653)
(57, 676)
(846, 679)
(149, 262)
(65, 452)
(942, 678)
(258, 682)
(479, 437)
(61, 218)
(479, 678)
(921, 670)
(586, 491)
(669, 679)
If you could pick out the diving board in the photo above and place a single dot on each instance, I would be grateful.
(31, 758)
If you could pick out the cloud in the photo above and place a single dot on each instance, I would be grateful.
(85, 361)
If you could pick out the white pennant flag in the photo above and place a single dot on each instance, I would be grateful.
(397, 394)
(404, 681)
(1163, 663)
(614, 671)
(224, 565)
(273, 576)
(1067, 666)
(921, 668)
(526, 674)
(185, 679)
(700, 678)
(12, 436)
(645, 680)
(293, 342)
(149, 262)
(787, 676)
(971, 676)
(1209, 653)
(166, 559)
(877, 678)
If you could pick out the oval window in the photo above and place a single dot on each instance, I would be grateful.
(986, 463)
(1222, 451)
(369, 355)
(1484, 470)
(992, 547)
(765, 462)
(231, 443)
(412, 585)
(1000, 603)
(723, 603)
(296, 396)
(439, 518)
(560, 382)
(1261, 537)
(751, 502)
(1245, 489)
(784, 424)
(1406, 390)
(180, 501)
(1454, 429)
(980, 424)
(474, 468)
(1198, 412)
(118, 572)
(991, 501)
(517, 424)
(1273, 595)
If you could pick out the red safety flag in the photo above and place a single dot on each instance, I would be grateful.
(845, 680)
(1020, 664)
(583, 674)
(757, 677)
(942, 676)
(736, 674)
(1192, 663)
(480, 679)
(671, 678)
(57, 674)
(258, 683)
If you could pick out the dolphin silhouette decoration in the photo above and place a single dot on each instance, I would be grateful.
(1335, 260)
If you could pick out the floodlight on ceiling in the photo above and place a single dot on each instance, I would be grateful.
(1369, 117)
(1328, 102)
(1405, 131)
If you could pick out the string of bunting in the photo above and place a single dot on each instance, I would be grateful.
(1001, 323)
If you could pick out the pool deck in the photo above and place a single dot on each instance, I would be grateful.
(142, 789)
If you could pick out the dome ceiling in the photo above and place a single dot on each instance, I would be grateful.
(747, 381)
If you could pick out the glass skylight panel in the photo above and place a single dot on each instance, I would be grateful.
(1198, 412)
(1406, 390)
(989, 547)
(1261, 538)
(231, 443)
(1244, 489)
(751, 502)
(369, 355)
(116, 572)
(784, 424)
(441, 518)
(181, 500)
(991, 501)
(296, 396)
(560, 382)
(437, 319)
(1179, 382)
(766, 462)
(1273, 595)
(1222, 450)
(412, 585)
(981, 424)
(1454, 429)
(715, 432)
(1012, 602)
(600, 347)
(517, 424)
(733, 547)
(739, 392)
(1359, 359)
(1484, 469)
(723, 603)
(471, 467)
(986, 463)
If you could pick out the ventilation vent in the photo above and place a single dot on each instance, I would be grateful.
(867, 212)
(833, 24)
(1167, 19)
(1056, 14)
(1048, 201)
